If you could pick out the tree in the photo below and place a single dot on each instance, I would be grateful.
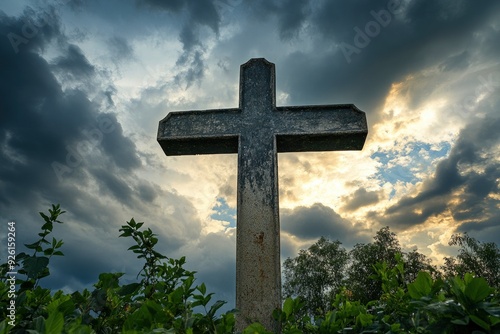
(415, 262)
(320, 272)
(481, 259)
(364, 257)
(316, 275)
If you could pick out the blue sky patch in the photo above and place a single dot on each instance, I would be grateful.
(421, 157)
(224, 212)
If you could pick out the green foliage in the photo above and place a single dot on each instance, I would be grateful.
(394, 292)
(167, 299)
(362, 259)
(316, 275)
(426, 305)
(292, 317)
(483, 259)
(35, 267)
(319, 273)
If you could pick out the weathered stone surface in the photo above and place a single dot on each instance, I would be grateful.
(257, 130)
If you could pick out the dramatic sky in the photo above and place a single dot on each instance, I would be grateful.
(84, 83)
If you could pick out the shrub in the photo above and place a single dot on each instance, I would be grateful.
(165, 300)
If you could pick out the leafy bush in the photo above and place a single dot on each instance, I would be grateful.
(426, 305)
(163, 301)
(167, 300)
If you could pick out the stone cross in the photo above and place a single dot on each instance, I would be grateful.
(257, 130)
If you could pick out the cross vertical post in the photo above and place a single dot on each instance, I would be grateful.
(258, 278)
(257, 131)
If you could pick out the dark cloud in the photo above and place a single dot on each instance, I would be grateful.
(201, 14)
(194, 72)
(462, 183)
(148, 192)
(82, 269)
(486, 230)
(189, 39)
(57, 145)
(169, 5)
(414, 36)
(111, 184)
(316, 221)
(75, 4)
(74, 63)
(292, 22)
(115, 144)
(120, 48)
(29, 32)
(291, 15)
(204, 13)
(360, 198)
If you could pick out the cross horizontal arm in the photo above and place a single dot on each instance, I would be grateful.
(199, 132)
(320, 128)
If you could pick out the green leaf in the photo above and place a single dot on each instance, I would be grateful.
(128, 289)
(43, 240)
(4, 327)
(67, 307)
(480, 322)
(365, 319)
(463, 321)
(35, 265)
(202, 288)
(125, 233)
(477, 289)
(54, 323)
(494, 320)
(176, 295)
(288, 307)
(255, 328)
(217, 305)
(32, 246)
(109, 280)
(395, 327)
(468, 278)
(48, 226)
(45, 217)
(39, 323)
(421, 287)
